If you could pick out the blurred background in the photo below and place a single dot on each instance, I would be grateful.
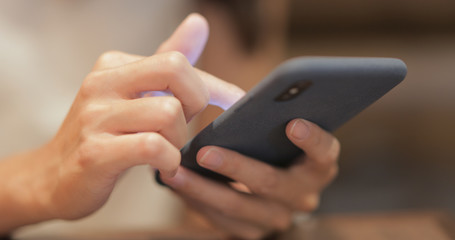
(398, 154)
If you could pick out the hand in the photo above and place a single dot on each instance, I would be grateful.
(263, 198)
(111, 128)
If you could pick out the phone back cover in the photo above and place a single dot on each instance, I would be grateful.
(255, 125)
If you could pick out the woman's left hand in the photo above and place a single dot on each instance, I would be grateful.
(263, 198)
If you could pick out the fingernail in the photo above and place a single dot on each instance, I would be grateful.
(177, 180)
(300, 130)
(212, 159)
(169, 174)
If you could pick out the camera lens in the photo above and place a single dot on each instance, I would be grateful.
(294, 90)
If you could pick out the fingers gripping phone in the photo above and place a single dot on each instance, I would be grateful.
(325, 90)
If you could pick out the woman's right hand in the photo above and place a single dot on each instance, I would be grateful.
(111, 127)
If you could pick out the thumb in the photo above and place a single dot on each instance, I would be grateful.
(189, 38)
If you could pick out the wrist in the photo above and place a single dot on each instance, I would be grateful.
(25, 190)
(43, 182)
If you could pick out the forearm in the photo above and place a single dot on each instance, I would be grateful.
(22, 190)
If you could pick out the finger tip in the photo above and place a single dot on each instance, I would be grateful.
(290, 125)
(199, 18)
(198, 24)
(292, 122)
(167, 174)
(202, 152)
(174, 180)
(298, 130)
(197, 33)
(189, 38)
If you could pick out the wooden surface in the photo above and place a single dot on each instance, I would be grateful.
(377, 226)
(435, 225)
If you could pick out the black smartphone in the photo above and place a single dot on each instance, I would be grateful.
(325, 90)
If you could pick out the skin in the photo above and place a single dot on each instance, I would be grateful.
(72, 175)
(264, 198)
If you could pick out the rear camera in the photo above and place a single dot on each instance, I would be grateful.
(293, 91)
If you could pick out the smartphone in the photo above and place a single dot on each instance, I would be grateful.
(325, 90)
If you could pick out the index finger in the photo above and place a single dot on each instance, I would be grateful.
(294, 189)
(168, 71)
(261, 178)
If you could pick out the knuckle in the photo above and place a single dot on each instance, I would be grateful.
(176, 62)
(269, 182)
(177, 68)
(202, 101)
(231, 206)
(106, 57)
(334, 151)
(88, 151)
(89, 85)
(329, 158)
(308, 203)
(92, 113)
(171, 110)
(172, 163)
(151, 147)
(231, 209)
(333, 172)
(283, 221)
